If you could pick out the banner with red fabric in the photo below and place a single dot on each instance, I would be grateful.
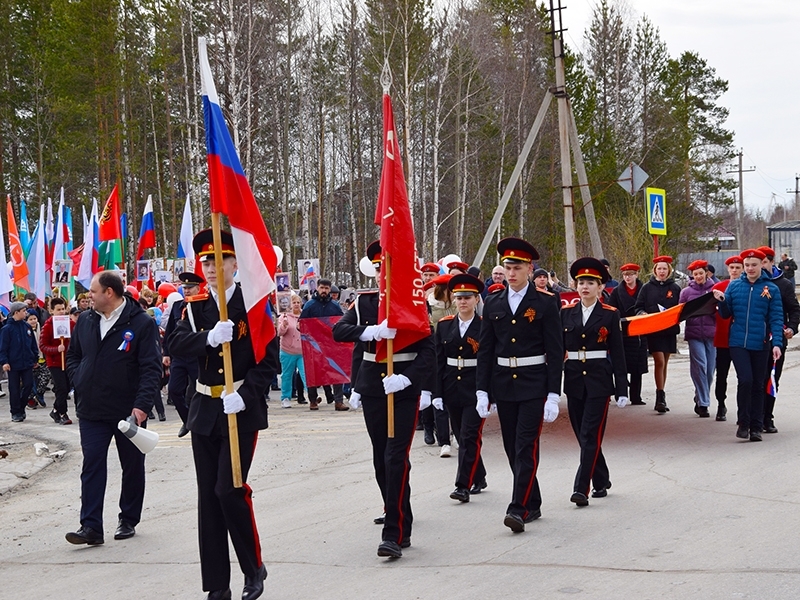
(326, 362)
(404, 294)
(653, 323)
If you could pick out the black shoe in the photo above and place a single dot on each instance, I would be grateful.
(170, 402)
(406, 543)
(151, 416)
(703, 412)
(601, 492)
(275, 388)
(17, 418)
(162, 416)
(41, 401)
(419, 426)
(755, 436)
(460, 494)
(65, 420)
(85, 535)
(769, 427)
(514, 523)
(429, 438)
(579, 499)
(532, 516)
(380, 520)
(219, 595)
(478, 487)
(55, 416)
(722, 412)
(638, 402)
(661, 402)
(390, 549)
(254, 586)
(124, 531)
(183, 430)
(330, 400)
(742, 432)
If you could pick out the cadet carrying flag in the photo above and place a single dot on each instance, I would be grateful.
(231, 196)
(406, 311)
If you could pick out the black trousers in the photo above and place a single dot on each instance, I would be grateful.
(223, 509)
(333, 393)
(468, 429)
(20, 384)
(751, 366)
(61, 387)
(95, 439)
(437, 420)
(181, 386)
(723, 368)
(521, 426)
(390, 458)
(769, 401)
(588, 416)
(635, 386)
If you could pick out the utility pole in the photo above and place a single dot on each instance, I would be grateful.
(740, 212)
(796, 192)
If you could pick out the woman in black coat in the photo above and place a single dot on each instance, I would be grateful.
(623, 297)
(658, 294)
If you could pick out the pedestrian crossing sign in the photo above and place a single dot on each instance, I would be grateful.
(656, 211)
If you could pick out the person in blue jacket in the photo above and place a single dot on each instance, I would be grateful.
(18, 353)
(754, 302)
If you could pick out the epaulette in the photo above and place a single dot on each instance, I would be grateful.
(544, 291)
(197, 297)
(608, 307)
(447, 318)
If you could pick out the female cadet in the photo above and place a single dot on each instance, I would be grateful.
(457, 345)
(593, 371)
(623, 298)
(658, 294)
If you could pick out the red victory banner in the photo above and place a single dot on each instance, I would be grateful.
(326, 362)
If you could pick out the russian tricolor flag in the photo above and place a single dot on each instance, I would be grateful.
(231, 195)
(185, 249)
(147, 232)
(772, 388)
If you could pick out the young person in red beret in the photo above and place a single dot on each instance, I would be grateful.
(721, 334)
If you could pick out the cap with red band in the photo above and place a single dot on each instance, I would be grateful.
(589, 267)
(516, 250)
(463, 285)
(430, 268)
(461, 266)
(203, 244)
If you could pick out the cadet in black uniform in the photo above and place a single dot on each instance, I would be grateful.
(223, 509)
(390, 456)
(457, 345)
(182, 370)
(594, 370)
(519, 363)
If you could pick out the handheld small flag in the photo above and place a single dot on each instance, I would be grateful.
(772, 387)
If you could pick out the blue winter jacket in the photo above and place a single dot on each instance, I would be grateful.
(757, 311)
(18, 345)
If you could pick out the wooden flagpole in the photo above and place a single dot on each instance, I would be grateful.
(63, 366)
(387, 264)
(227, 363)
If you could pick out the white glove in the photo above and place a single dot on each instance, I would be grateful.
(622, 401)
(378, 332)
(483, 407)
(221, 333)
(438, 404)
(232, 403)
(355, 400)
(395, 383)
(369, 333)
(424, 400)
(551, 408)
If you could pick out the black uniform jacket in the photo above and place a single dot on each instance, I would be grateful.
(368, 376)
(111, 378)
(655, 293)
(596, 376)
(456, 384)
(174, 316)
(635, 345)
(205, 413)
(791, 308)
(534, 329)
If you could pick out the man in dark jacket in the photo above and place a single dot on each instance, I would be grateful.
(322, 305)
(114, 364)
(18, 354)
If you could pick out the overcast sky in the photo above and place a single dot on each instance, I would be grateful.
(754, 46)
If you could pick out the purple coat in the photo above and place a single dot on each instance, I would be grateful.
(698, 328)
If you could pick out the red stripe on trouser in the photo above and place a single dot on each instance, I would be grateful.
(478, 445)
(402, 490)
(248, 497)
(535, 466)
(600, 430)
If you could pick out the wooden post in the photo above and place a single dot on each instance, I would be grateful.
(566, 165)
(63, 366)
(387, 264)
(227, 363)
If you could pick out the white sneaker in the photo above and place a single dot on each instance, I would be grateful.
(286, 403)
(445, 451)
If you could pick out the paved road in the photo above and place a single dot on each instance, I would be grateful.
(693, 513)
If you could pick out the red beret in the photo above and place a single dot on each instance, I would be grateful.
(430, 268)
(753, 253)
(767, 251)
(496, 287)
(461, 266)
(733, 259)
(630, 267)
(697, 264)
(664, 258)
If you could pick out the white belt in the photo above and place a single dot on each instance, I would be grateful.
(402, 357)
(215, 391)
(462, 362)
(521, 361)
(587, 354)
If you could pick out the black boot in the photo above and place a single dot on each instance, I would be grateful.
(769, 406)
(661, 401)
(722, 411)
(636, 389)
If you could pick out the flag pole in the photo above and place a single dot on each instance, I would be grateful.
(227, 363)
(387, 265)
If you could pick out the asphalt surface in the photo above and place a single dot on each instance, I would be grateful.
(694, 513)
